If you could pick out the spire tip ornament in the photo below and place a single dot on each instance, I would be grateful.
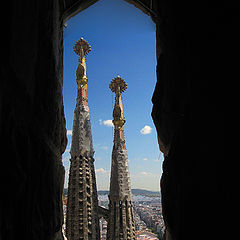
(82, 45)
(118, 86)
(81, 48)
(116, 83)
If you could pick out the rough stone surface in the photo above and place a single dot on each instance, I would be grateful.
(32, 121)
(82, 134)
(188, 114)
(120, 177)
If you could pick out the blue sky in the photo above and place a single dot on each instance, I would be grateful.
(122, 39)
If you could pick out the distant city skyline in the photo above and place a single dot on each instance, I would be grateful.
(123, 43)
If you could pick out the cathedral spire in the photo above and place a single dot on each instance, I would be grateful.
(82, 221)
(121, 220)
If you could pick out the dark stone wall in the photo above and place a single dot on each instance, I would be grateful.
(32, 123)
(196, 43)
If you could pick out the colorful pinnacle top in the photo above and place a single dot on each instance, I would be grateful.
(82, 44)
(116, 83)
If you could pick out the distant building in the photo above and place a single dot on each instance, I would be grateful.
(103, 228)
(146, 235)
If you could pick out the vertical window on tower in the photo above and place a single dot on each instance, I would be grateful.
(132, 215)
(127, 215)
(88, 190)
(73, 208)
(88, 181)
(80, 195)
(120, 209)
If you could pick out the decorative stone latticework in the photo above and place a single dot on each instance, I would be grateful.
(120, 222)
(82, 221)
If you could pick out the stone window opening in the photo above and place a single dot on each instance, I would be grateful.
(141, 7)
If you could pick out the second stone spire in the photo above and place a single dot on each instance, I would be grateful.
(121, 221)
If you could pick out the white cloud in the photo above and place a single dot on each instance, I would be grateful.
(157, 160)
(101, 170)
(145, 159)
(146, 130)
(108, 122)
(69, 132)
(104, 147)
(146, 180)
(101, 146)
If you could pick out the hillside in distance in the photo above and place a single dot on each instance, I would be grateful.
(134, 192)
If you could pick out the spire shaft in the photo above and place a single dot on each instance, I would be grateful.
(121, 221)
(82, 204)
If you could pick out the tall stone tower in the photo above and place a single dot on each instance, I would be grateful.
(82, 221)
(121, 221)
